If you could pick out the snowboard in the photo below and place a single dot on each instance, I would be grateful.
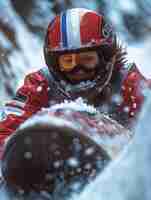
(60, 150)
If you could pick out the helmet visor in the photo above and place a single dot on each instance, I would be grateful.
(67, 62)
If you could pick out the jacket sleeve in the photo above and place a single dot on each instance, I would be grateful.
(29, 99)
(132, 94)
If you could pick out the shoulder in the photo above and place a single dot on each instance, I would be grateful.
(132, 75)
(132, 89)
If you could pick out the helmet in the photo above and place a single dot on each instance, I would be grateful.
(76, 30)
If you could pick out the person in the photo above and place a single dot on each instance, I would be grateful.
(84, 59)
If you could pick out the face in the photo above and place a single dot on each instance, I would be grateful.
(79, 66)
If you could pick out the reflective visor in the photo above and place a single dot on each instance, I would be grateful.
(68, 62)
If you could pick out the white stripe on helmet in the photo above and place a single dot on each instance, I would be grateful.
(73, 29)
(73, 26)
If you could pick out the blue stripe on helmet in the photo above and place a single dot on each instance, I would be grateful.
(64, 30)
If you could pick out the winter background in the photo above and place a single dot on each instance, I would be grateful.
(22, 29)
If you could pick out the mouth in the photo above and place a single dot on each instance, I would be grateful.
(80, 75)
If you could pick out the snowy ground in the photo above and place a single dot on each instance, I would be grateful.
(128, 177)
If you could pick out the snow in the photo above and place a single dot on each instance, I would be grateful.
(113, 144)
(140, 54)
(39, 88)
(89, 151)
(73, 162)
(128, 176)
(28, 155)
(128, 5)
(77, 105)
(117, 99)
(57, 164)
(126, 109)
(26, 58)
(45, 121)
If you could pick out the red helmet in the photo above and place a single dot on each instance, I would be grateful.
(77, 29)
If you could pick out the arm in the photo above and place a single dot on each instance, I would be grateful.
(28, 100)
(132, 93)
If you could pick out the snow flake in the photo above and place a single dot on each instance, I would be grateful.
(39, 88)
(126, 109)
(134, 105)
(132, 113)
(28, 155)
(101, 123)
(57, 164)
(89, 151)
(73, 162)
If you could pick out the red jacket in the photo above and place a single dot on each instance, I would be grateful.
(36, 92)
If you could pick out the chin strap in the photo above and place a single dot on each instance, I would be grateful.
(103, 82)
